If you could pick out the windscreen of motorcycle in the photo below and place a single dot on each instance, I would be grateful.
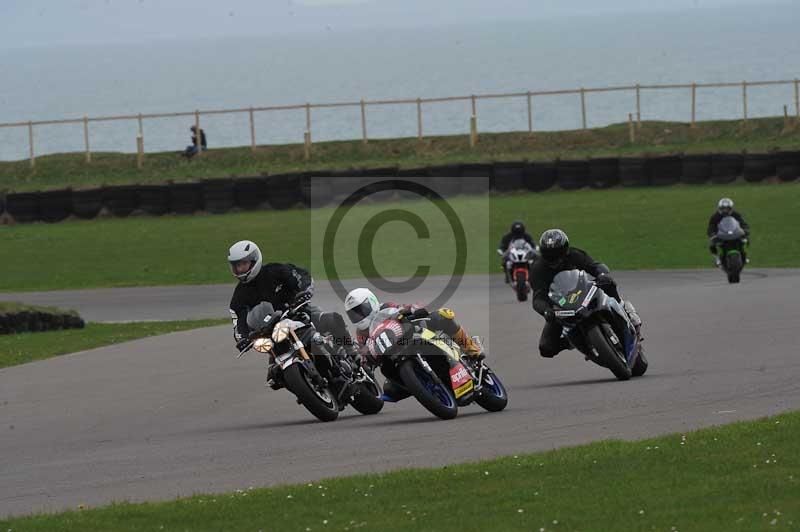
(729, 229)
(569, 287)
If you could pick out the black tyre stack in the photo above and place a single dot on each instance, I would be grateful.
(665, 170)
(121, 200)
(696, 169)
(787, 165)
(250, 192)
(55, 205)
(633, 172)
(572, 175)
(508, 176)
(154, 199)
(540, 176)
(87, 203)
(219, 195)
(24, 206)
(185, 198)
(726, 167)
(604, 172)
(758, 167)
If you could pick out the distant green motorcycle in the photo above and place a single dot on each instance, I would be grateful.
(730, 242)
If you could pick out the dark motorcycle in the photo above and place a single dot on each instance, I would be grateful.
(597, 324)
(730, 241)
(432, 367)
(309, 364)
(518, 259)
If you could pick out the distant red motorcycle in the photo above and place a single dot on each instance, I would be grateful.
(518, 259)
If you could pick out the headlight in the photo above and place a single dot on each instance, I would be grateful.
(263, 345)
(281, 332)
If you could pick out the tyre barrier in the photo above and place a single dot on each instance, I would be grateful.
(445, 179)
(540, 176)
(38, 321)
(24, 206)
(185, 198)
(250, 192)
(121, 200)
(475, 178)
(696, 169)
(87, 203)
(726, 167)
(219, 195)
(55, 205)
(664, 170)
(633, 172)
(604, 172)
(154, 199)
(758, 167)
(572, 175)
(2, 205)
(283, 191)
(787, 165)
(508, 176)
(316, 188)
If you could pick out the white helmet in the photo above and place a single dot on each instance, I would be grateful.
(361, 306)
(725, 206)
(245, 250)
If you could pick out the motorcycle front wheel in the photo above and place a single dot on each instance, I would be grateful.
(435, 397)
(493, 396)
(610, 355)
(321, 403)
(367, 398)
(522, 288)
(734, 267)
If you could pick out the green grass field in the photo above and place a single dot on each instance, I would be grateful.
(26, 347)
(63, 170)
(739, 477)
(626, 228)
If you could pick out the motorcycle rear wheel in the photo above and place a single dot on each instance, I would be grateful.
(611, 358)
(297, 382)
(428, 393)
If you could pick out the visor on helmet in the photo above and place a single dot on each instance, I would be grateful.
(356, 314)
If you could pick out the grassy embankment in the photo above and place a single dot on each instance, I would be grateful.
(739, 477)
(626, 228)
(26, 347)
(62, 170)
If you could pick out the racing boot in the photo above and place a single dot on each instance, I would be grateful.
(394, 392)
(470, 347)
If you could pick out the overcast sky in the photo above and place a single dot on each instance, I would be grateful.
(38, 22)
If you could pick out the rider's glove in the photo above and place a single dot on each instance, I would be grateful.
(419, 313)
(549, 315)
(299, 299)
(242, 344)
(605, 279)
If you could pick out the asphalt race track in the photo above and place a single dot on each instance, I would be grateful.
(175, 415)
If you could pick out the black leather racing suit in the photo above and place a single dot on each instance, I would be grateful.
(280, 285)
(551, 343)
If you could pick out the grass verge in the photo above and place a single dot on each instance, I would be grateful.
(626, 228)
(71, 170)
(26, 347)
(744, 476)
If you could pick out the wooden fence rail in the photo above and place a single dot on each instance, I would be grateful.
(363, 105)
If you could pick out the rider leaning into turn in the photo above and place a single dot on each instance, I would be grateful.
(556, 256)
(724, 208)
(281, 285)
(516, 231)
(362, 306)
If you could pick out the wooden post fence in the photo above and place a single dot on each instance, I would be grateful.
(363, 122)
(744, 99)
(141, 129)
(583, 107)
(308, 122)
(30, 144)
(419, 119)
(694, 104)
(198, 137)
(473, 131)
(139, 151)
(474, 107)
(638, 106)
(797, 98)
(631, 129)
(252, 131)
(307, 145)
(86, 138)
(530, 114)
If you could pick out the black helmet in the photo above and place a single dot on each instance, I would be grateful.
(553, 247)
(518, 228)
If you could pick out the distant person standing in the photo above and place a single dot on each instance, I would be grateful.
(193, 149)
